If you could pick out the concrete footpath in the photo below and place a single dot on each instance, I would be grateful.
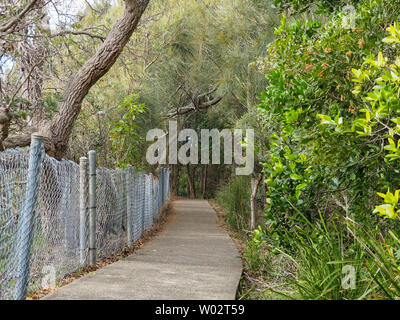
(191, 259)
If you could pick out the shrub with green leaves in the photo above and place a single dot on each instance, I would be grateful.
(317, 160)
(332, 102)
(124, 135)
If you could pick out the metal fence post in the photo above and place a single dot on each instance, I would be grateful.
(140, 203)
(143, 198)
(128, 206)
(151, 201)
(157, 196)
(162, 188)
(83, 192)
(92, 207)
(135, 205)
(146, 201)
(168, 183)
(25, 221)
(162, 184)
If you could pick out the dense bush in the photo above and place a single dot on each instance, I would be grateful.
(333, 148)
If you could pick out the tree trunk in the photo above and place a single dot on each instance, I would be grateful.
(94, 68)
(204, 181)
(59, 130)
(5, 118)
(255, 182)
(174, 180)
(190, 182)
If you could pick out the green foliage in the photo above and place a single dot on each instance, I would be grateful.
(331, 106)
(327, 123)
(299, 6)
(210, 44)
(256, 256)
(125, 140)
(51, 101)
(383, 263)
(378, 86)
(389, 208)
(234, 198)
(320, 253)
(316, 160)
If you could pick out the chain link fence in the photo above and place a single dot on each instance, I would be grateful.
(46, 215)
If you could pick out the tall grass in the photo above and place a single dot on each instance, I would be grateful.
(317, 255)
(314, 256)
(234, 198)
(320, 252)
(383, 263)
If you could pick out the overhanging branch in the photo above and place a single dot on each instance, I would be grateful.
(197, 103)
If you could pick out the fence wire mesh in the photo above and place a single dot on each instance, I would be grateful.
(127, 203)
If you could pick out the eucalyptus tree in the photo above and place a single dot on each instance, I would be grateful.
(59, 128)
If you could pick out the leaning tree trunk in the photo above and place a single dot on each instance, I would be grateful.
(58, 132)
(255, 182)
(94, 68)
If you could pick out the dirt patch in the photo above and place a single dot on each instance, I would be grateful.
(166, 215)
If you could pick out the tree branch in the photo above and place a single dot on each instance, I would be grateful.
(11, 24)
(192, 107)
(21, 84)
(78, 33)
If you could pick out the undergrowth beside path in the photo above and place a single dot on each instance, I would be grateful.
(264, 274)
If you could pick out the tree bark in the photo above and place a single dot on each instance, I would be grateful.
(94, 68)
(204, 181)
(174, 180)
(255, 182)
(5, 118)
(190, 182)
(58, 131)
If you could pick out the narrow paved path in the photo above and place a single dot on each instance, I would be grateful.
(191, 259)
